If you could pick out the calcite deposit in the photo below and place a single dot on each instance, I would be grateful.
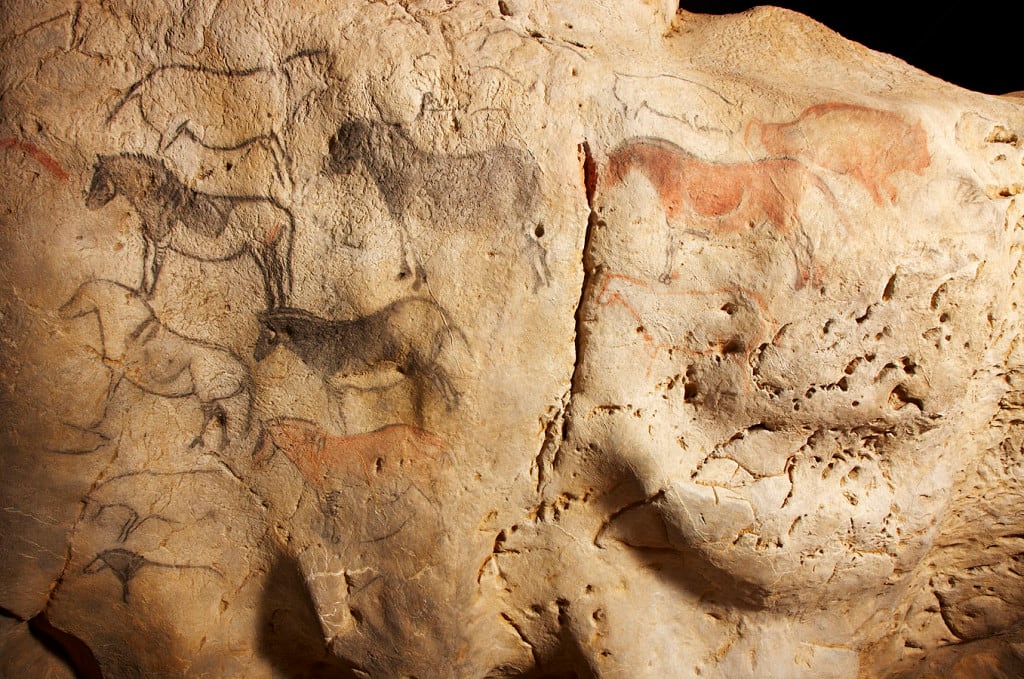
(502, 338)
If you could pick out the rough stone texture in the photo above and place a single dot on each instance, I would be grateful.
(482, 339)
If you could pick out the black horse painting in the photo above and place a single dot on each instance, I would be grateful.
(207, 227)
(408, 339)
(499, 186)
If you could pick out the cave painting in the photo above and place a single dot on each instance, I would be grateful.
(37, 154)
(411, 338)
(369, 487)
(868, 144)
(203, 226)
(471, 189)
(184, 100)
(125, 565)
(396, 449)
(719, 198)
(136, 347)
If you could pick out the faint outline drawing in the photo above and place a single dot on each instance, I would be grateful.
(471, 190)
(224, 109)
(404, 340)
(622, 290)
(868, 144)
(90, 439)
(206, 227)
(636, 93)
(125, 564)
(136, 347)
(133, 521)
(385, 475)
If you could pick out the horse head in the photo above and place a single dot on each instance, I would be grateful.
(268, 339)
(276, 326)
(102, 188)
(136, 177)
(347, 146)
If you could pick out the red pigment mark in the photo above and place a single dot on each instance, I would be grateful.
(320, 456)
(870, 145)
(272, 235)
(620, 290)
(41, 156)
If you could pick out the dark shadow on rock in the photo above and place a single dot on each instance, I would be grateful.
(289, 634)
(637, 524)
(67, 647)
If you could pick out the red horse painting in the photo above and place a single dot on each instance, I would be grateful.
(319, 456)
(720, 199)
(867, 144)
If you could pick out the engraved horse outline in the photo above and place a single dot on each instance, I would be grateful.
(135, 346)
(230, 109)
(620, 290)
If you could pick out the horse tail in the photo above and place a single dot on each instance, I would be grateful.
(284, 254)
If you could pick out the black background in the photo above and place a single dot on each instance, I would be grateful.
(974, 45)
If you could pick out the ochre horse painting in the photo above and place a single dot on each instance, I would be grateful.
(867, 144)
(396, 449)
(720, 199)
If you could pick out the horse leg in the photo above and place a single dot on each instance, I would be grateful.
(440, 381)
(237, 421)
(430, 364)
(148, 252)
(266, 266)
(278, 257)
(419, 399)
(541, 272)
(282, 164)
(156, 262)
(670, 255)
(409, 257)
(211, 411)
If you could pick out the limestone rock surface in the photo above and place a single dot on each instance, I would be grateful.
(502, 338)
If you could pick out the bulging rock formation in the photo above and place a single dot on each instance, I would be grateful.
(500, 339)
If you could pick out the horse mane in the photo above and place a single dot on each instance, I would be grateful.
(274, 317)
(362, 136)
(128, 166)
